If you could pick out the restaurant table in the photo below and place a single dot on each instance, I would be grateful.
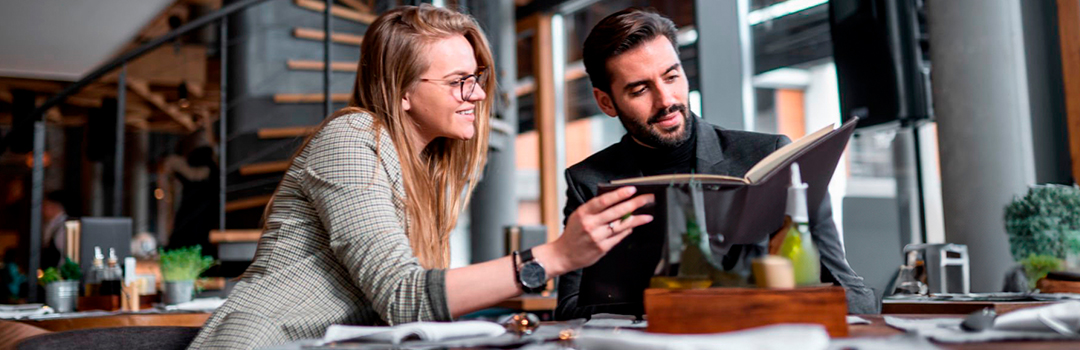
(101, 319)
(878, 328)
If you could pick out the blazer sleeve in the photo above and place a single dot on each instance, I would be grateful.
(350, 188)
(569, 284)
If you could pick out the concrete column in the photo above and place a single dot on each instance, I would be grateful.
(494, 203)
(726, 63)
(981, 100)
(139, 186)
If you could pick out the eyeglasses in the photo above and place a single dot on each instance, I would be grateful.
(466, 84)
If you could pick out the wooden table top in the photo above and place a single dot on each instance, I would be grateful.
(182, 319)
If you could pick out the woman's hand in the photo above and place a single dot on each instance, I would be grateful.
(594, 228)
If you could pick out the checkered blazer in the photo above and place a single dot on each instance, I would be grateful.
(334, 250)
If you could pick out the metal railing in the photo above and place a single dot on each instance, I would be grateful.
(37, 178)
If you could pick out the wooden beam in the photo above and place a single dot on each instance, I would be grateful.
(265, 168)
(318, 65)
(545, 126)
(235, 236)
(357, 5)
(1069, 34)
(337, 37)
(247, 203)
(573, 72)
(142, 89)
(308, 98)
(337, 11)
(287, 132)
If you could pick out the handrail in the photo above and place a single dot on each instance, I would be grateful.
(137, 52)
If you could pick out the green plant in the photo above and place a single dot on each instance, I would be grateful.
(184, 264)
(70, 270)
(49, 276)
(1037, 266)
(1046, 221)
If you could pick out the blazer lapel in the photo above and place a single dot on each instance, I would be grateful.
(710, 155)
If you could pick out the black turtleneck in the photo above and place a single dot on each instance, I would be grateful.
(662, 161)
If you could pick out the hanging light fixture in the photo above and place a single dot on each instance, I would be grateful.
(182, 95)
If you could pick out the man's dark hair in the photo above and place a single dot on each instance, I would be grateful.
(618, 33)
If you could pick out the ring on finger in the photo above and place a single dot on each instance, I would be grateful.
(611, 226)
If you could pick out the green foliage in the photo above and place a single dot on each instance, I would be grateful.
(70, 270)
(184, 264)
(49, 276)
(1046, 221)
(1037, 266)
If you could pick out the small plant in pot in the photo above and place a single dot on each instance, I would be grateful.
(179, 270)
(1044, 229)
(61, 285)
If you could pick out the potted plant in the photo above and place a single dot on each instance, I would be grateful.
(179, 270)
(61, 285)
(1044, 229)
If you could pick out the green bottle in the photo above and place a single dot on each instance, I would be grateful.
(798, 246)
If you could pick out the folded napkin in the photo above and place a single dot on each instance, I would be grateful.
(779, 337)
(15, 312)
(856, 320)
(426, 331)
(1062, 318)
(200, 304)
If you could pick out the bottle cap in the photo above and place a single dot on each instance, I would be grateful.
(796, 200)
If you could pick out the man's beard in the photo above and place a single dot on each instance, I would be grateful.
(652, 137)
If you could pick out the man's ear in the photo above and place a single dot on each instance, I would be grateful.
(405, 105)
(604, 101)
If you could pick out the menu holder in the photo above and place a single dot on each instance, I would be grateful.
(713, 310)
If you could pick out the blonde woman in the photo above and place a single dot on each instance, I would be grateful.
(357, 231)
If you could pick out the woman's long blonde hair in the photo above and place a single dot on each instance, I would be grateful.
(439, 179)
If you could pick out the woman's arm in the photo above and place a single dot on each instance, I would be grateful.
(587, 238)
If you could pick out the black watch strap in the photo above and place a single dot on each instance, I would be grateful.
(526, 255)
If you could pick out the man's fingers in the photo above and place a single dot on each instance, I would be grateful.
(605, 200)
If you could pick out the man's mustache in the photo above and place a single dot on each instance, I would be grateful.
(663, 112)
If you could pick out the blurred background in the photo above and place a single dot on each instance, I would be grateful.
(181, 115)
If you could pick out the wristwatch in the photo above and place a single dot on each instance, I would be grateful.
(530, 273)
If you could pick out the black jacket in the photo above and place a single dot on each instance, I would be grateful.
(721, 152)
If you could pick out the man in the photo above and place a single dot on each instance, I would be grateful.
(632, 60)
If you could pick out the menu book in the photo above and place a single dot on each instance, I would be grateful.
(736, 211)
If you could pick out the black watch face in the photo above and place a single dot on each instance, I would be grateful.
(532, 275)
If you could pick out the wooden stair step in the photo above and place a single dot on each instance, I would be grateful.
(247, 203)
(235, 236)
(337, 11)
(320, 35)
(309, 98)
(265, 167)
(286, 132)
(318, 65)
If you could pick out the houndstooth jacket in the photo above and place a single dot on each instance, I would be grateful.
(334, 250)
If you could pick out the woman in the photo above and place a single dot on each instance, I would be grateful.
(357, 232)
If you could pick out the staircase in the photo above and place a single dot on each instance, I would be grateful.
(276, 93)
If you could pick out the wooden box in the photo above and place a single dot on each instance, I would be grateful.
(730, 309)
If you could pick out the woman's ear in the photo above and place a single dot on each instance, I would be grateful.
(405, 105)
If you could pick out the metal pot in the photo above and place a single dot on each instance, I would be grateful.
(61, 295)
(177, 292)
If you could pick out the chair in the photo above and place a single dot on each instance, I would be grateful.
(163, 338)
